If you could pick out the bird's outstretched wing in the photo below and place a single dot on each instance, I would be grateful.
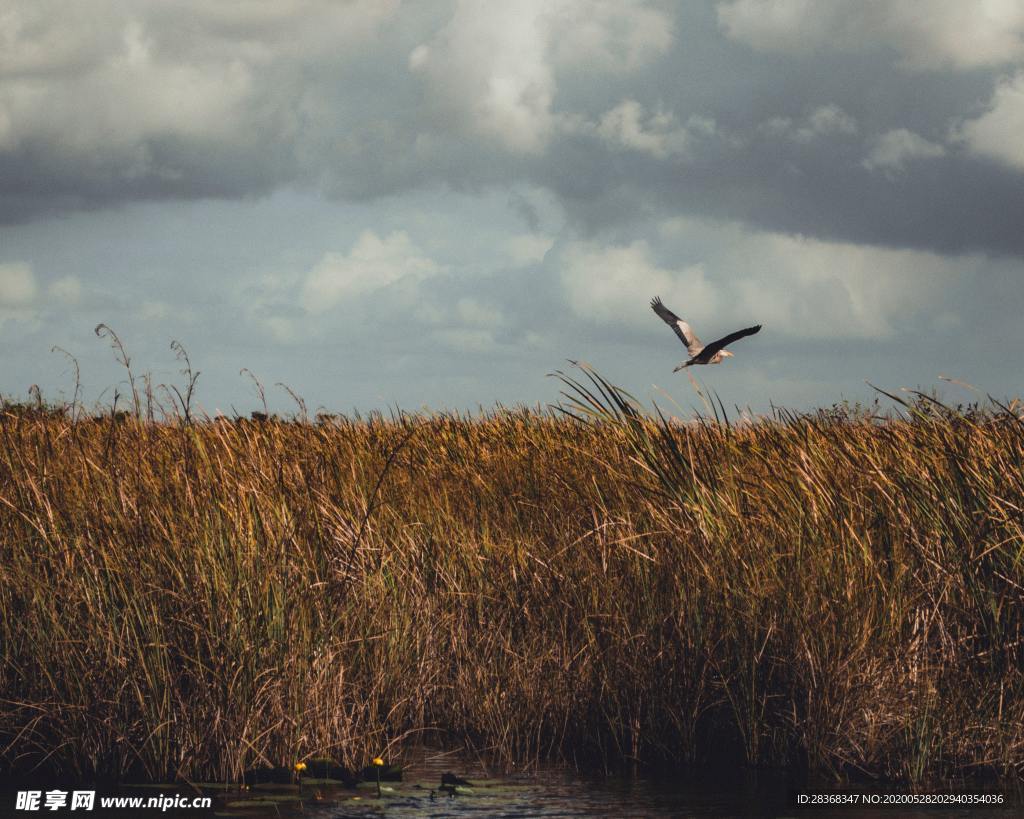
(680, 327)
(712, 348)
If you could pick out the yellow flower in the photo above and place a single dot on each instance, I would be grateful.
(300, 766)
(378, 761)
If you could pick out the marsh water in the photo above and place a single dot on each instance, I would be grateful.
(544, 792)
(554, 793)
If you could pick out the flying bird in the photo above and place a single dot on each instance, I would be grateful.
(712, 353)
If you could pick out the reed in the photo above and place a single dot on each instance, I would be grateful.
(190, 597)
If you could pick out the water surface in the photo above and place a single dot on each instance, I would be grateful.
(556, 792)
(547, 792)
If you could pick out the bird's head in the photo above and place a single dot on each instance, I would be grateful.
(726, 354)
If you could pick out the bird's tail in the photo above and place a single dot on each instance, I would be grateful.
(682, 366)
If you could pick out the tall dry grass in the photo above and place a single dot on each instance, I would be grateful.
(190, 598)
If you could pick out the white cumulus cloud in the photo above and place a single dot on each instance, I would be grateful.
(599, 281)
(825, 120)
(629, 127)
(811, 288)
(475, 312)
(927, 34)
(18, 292)
(803, 287)
(67, 289)
(493, 67)
(997, 133)
(524, 249)
(152, 92)
(17, 284)
(891, 151)
(372, 263)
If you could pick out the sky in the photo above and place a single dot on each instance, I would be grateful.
(380, 204)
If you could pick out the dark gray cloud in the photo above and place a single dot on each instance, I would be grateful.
(142, 102)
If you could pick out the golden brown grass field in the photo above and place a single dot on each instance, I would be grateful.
(833, 590)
